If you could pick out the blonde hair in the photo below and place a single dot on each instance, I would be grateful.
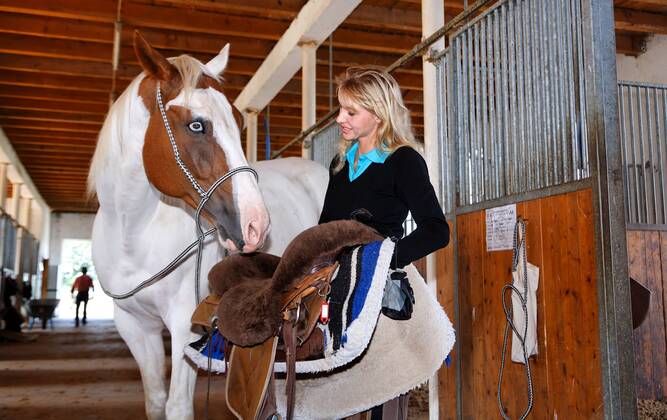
(377, 92)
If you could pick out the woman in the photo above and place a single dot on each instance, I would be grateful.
(378, 176)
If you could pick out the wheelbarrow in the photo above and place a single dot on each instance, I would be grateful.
(42, 309)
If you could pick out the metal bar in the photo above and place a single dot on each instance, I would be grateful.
(477, 122)
(530, 82)
(486, 149)
(504, 89)
(570, 113)
(622, 129)
(520, 163)
(642, 159)
(562, 167)
(582, 89)
(470, 133)
(514, 137)
(650, 165)
(633, 143)
(526, 196)
(497, 95)
(663, 160)
(491, 66)
(614, 306)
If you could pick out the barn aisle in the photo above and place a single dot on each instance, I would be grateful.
(79, 373)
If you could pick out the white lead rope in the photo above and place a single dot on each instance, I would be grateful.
(201, 235)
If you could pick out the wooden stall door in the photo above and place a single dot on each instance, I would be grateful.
(647, 264)
(566, 372)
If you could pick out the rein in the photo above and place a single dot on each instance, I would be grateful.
(205, 196)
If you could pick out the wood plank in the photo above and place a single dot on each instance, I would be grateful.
(641, 336)
(48, 105)
(447, 392)
(58, 94)
(56, 48)
(54, 27)
(640, 21)
(40, 80)
(655, 322)
(97, 11)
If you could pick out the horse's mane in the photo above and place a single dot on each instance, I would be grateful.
(116, 123)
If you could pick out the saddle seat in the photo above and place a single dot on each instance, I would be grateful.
(261, 297)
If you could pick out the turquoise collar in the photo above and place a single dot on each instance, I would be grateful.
(374, 156)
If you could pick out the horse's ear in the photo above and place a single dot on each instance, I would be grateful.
(153, 63)
(218, 64)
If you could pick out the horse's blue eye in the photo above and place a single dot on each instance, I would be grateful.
(196, 126)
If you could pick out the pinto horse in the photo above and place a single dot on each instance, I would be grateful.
(147, 205)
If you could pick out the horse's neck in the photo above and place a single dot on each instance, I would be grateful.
(126, 197)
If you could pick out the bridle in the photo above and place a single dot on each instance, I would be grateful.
(204, 195)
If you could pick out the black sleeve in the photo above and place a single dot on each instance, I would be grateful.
(414, 188)
(327, 196)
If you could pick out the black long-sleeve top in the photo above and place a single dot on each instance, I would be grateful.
(388, 191)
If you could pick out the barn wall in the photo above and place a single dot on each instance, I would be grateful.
(649, 67)
(647, 264)
(567, 371)
(65, 226)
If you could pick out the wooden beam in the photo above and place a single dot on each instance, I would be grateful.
(74, 83)
(46, 125)
(51, 27)
(96, 11)
(60, 106)
(640, 21)
(51, 93)
(28, 114)
(56, 48)
(630, 44)
(51, 134)
(65, 66)
(316, 21)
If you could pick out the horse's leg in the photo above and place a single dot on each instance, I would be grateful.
(183, 376)
(144, 338)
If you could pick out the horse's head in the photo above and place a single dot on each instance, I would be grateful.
(208, 140)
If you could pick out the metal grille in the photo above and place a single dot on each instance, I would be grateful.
(445, 142)
(516, 100)
(642, 110)
(325, 144)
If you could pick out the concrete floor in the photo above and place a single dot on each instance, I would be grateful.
(88, 373)
(80, 373)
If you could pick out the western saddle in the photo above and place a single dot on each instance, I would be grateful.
(259, 298)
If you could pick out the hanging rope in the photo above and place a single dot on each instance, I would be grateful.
(518, 257)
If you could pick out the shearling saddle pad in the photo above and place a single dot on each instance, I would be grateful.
(401, 356)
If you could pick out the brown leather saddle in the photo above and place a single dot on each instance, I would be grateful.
(268, 308)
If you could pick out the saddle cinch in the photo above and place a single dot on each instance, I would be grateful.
(259, 298)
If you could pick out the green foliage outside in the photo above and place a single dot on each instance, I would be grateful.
(75, 254)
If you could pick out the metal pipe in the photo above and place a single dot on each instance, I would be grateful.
(485, 159)
(650, 164)
(634, 154)
(522, 137)
(663, 157)
(504, 89)
(477, 124)
(624, 159)
(497, 92)
(642, 157)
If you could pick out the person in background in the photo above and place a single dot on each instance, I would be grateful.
(82, 284)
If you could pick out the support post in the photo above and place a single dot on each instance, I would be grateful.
(251, 136)
(614, 305)
(308, 93)
(3, 185)
(433, 18)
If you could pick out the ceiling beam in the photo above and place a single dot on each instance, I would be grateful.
(640, 21)
(316, 20)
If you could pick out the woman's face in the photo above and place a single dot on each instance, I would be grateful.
(356, 122)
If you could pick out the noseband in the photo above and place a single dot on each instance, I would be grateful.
(204, 195)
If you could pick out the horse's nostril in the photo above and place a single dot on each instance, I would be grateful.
(253, 233)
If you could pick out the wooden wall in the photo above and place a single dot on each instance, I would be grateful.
(566, 373)
(647, 264)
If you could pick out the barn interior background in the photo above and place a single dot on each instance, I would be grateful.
(63, 62)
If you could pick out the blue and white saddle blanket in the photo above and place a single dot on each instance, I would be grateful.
(355, 302)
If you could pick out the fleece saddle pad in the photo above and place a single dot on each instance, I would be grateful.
(368, 358)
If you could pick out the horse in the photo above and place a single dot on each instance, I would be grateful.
(147, 204)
